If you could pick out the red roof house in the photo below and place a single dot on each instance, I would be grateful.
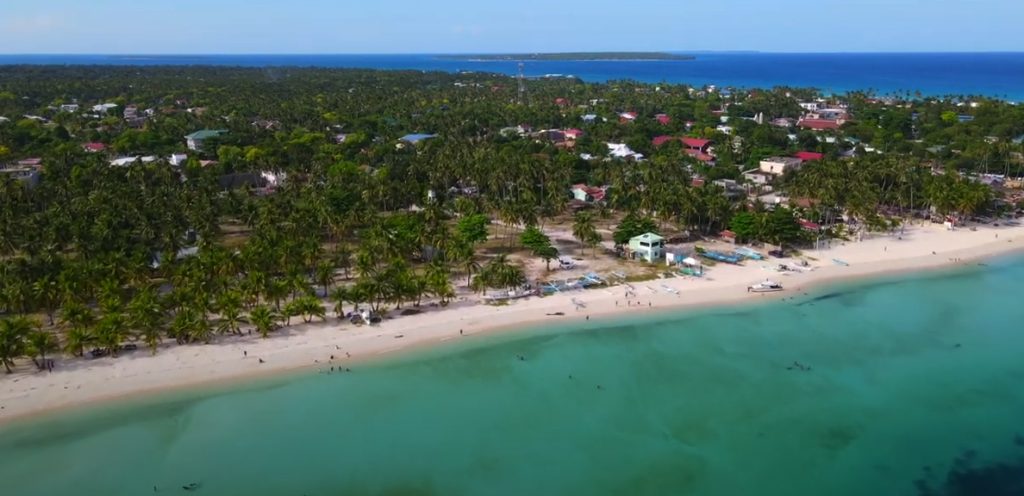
(818, 124)
(697, 144)
(573, 133)
(661, 140)
(699, 155)
(588, 194)
(663, 119)
(561, 102)
(809, 156)
(94, 147)
(809, 226)
(627, 117)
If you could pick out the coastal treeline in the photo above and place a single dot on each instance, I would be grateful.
(312, 201)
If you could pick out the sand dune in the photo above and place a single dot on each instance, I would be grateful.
(78, 381)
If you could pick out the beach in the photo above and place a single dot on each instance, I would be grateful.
(78, 382)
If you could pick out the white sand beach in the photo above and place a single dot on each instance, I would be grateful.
(80, 381)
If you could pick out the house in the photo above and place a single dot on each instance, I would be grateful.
(94, 147)
(625, 117)
(588, 194)
(819, 124)
(621, 150)
(697, 144)
(756, 177)
(699, 149)
(27, 175)
(30, 162)
(178, 159)
(728, 236)
(572, 134)
(589, 117)
(69, 107)
(126, 161)
(809, 226)
(416, 138)
(779, 165)
(731, 189)
(809, 156)
(196, 139)
(131, 112)
(648, 246)
(783, 122)
(663, 119)
(103, 107)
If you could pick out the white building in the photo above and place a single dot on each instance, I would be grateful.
(648, 246)
(779, 165)
(178, 159)
(621, 150)
(103, 107)
(69, 107)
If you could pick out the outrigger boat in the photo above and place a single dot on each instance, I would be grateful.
(765, 286)
(721, 257)
(745, 252)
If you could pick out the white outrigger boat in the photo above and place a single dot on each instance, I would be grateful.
(765, 286)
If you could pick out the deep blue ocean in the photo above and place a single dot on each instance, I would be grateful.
(937, 74)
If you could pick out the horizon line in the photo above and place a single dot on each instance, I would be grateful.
(682, 52)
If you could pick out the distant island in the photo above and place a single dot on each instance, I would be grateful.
(573, 56)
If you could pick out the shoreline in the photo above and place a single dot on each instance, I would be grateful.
(303, 348)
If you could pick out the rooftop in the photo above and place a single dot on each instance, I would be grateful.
(206, 133)
(417, 137)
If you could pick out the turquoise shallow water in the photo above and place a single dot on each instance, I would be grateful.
(908, 379)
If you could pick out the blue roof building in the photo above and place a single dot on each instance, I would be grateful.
(416, 138)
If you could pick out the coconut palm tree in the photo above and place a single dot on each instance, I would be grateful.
(40, 343)
(77, 321)
(583, 228)
(14, 334)
(264, 319)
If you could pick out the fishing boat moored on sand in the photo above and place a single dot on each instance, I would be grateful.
(765, 286)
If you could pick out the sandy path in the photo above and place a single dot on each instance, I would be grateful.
(78, 381)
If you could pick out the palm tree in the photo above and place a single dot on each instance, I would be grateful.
(583, 228)
(291, 309)
(325, 276)
(146, 314)
(77, 321)
(231, 320)
(14, 333)
(264, 319)
(340, 296)
(47, 292)
(310, 307)
(112, 331)
(40, 343)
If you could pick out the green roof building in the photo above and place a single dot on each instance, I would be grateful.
(195, 140)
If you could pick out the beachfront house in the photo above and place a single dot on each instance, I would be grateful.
(647, 246)
(779, 165)
(588, 194)
(195, 140)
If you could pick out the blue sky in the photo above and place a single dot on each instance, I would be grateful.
(465, 26)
